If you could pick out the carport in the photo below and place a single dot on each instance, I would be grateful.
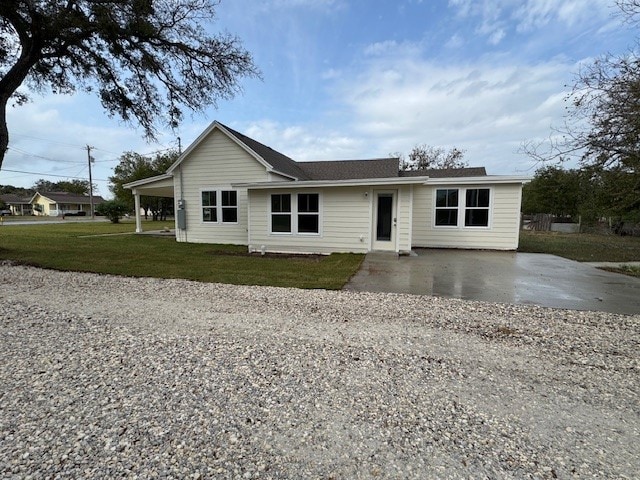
(507, 277)
(158, 186)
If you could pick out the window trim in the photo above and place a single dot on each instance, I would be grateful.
(218, 206)
(282, 214)
(294, 213)
(436, 208)
(462, 208)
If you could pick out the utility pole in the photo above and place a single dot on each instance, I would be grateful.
(90, 159)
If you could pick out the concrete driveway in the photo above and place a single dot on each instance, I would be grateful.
(508, 277)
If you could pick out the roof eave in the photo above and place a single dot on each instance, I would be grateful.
(485, 179)
(144, 181)
(357, 182)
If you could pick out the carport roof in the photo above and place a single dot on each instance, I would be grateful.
(158, 186)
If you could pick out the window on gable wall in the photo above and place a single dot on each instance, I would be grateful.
(209, 206)
(220, 206)
(229, 206)
(449, 210)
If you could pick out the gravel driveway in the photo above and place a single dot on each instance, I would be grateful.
(104, 377)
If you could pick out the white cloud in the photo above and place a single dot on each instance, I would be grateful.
(494, 15)
(304, 142)
(487, 109)
(49, 136)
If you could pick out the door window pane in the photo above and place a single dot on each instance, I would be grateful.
(385, 212)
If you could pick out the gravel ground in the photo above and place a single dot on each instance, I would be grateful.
(104, 377)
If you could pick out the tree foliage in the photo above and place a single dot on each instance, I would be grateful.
(553, 190)
(134, 166)
(591, 193)
(602, 127)
(114, 210)
(146, 59)
(424, 156)
(77, 187)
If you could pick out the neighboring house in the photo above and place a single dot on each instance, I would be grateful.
(16, 205)
(232, 189)
(63, 203)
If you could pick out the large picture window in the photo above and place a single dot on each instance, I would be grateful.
(447, 207)
(220, 206)
(452, 205)
(295, 213)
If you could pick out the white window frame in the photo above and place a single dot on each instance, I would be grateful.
(466, 207)
(436, 208)
(294, 214)
(462, 208)
(289, 213)
(218, 206)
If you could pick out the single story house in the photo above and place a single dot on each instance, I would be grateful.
(229, 188)
(63, 203)
(16, 204)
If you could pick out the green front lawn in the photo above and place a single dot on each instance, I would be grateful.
(73, 246)
(583, 247)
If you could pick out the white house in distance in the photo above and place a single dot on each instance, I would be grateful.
(229, 188)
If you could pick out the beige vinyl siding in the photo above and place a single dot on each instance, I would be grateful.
(344, 222)
(215, 164)
(404, 219)
(502, 234)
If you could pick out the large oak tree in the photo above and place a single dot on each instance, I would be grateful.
(147, 60)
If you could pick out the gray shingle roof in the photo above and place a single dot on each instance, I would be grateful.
(64, 197)
(446, 173)
(12, 199)
(351, 169)
(277, 160)
(345, 169)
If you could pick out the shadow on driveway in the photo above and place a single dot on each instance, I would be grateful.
(508, 277)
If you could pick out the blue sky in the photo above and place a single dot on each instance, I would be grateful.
(360, 79)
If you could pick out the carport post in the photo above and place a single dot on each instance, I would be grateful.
(136, 197)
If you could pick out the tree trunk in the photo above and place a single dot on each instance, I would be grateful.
(4, 131)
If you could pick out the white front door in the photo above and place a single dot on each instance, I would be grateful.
(384, 220)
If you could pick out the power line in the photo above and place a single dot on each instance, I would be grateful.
(51, 175)
(41, 156)
(47, 140)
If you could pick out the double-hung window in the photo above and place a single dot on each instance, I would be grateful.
(308, 213)
(210, 206)
(229, 206)
(447, 207)
(297, 214)
(468, 205)
(281, 213)
(476, 213)
(220, 206)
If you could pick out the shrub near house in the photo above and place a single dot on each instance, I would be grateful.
(114, 210)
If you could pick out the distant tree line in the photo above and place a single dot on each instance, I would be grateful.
(77, 187)
(591, 193)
